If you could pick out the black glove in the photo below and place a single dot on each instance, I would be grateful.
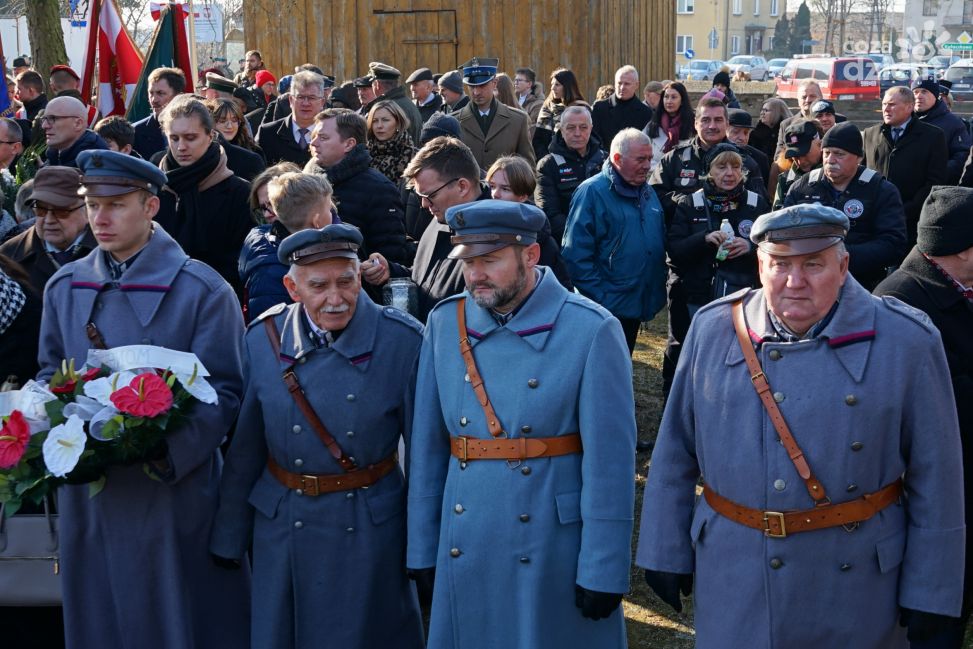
(224, 562)
(923, 626)
(595, 605)
(424, 578)
(667, 586)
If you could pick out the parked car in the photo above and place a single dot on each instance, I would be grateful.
(941, 63)
(848, 77)
(961, 74)
(902, 74)
(755, 66)
(881, 60)
(775, 67)
(701, 69)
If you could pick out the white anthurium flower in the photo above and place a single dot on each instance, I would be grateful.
(199, 387)
(98, 422)
(101, 389)
(83, 407)
(64, 445)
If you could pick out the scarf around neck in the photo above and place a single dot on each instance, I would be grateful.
(188, 183)
(722, 201)
(672, 126)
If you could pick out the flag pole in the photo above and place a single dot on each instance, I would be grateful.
(192, 42)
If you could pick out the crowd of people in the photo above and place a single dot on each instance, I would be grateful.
(358, 467)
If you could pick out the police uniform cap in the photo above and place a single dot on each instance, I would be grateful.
(799, 229)
(422, 74)
(56, 186)
(822, 106)
(739, 117)
(798, 137)
(485, 226)
(110, 173)
(383, 71)
(364, 82)
(216, 81)
(308, 246)
(722, 147)
(477, 71)
(844, 136)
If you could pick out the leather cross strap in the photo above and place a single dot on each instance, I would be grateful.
(761, 385)
(315, 485)
(779, 524)
(516, 448)
(297, 393)
(466, 349)
(94, 336)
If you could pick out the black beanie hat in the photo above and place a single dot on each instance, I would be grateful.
(722, 78)
(437, 125)
(945, 226)
(845, 136)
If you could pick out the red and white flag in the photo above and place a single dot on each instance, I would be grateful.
(119, 59)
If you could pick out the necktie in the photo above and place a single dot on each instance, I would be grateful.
(303, 141)
(896, 133)
(63, 256)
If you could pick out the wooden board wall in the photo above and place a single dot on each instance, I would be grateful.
(591, 37)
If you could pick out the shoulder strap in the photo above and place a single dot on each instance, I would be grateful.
(760, 384)
(699, 199)
(687, 153)
(866, 176)
(297, 393)
(493, 422)
(815, 174)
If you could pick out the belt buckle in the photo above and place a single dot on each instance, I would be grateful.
(767, 531)
(309, 485)
(464, 449)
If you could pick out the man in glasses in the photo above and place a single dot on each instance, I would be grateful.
(11, 142)
(60, 233)
(289, 138)
(65, 124)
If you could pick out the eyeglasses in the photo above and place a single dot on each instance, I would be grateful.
(58, 213)
(263, 210)
(431, 195)
(307, 99)
(519, 80)
(229, 122)
(10, 141)
(52, 119)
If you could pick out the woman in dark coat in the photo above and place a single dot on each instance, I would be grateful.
(764, 135)
(388, 139)
(564, 92)
(672, 125)
(205, 208)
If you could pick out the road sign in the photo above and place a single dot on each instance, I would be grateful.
(690, 54)
(958, 47)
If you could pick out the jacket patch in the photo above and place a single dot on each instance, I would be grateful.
(851, 339)
(854, 208)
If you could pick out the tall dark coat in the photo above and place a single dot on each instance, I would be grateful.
(913, 164)
(958, 139)
(135, 568)
(507, 135)
(369, 201)
(611, 115)
(278, 143)
(763, 138)
(558, 175)
(149, 138)
(427, 110)
(919, 284)
(27, 249)
(18, 342)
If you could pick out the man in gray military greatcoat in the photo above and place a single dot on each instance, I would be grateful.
(312, 478)
(135, 572)
(822, 422)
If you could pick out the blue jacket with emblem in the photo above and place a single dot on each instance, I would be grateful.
(329, 570)
(133, 570)
(614, 245)
(521, 535)
(868, 400)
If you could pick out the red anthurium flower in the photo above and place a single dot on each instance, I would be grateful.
(13, 440)
(65, 388)
(146, 396)
(91, 374)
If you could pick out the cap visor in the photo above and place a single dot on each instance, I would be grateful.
(55, 199)
(468, 250)
(794, 247)
(797, 151)
(327, 254)
(105, 190)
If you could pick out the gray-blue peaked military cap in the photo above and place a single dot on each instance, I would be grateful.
(309, 246)
(110, 173)
(484, 226)
(803, 228)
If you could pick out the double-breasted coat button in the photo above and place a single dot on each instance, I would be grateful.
(298, 462)
(350, 494)
(525, 470)
(775, 355)
(458, 509)
(455, 552)
(851, 487)
(302, 360)
(463, 421)
(778, 396)
(524, 518)
(466, 377)
(857, 446)
(299, 492)
(298, 525)
(350, 433)
(776, 563)
(779, 484)
(350, 397)
(525, 559)
(532, 383)
(525, 430)
(851, 399)
(350, 529)
(845, 567)
(296, 428)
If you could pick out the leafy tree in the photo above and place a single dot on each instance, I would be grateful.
(800, 29)
(782, 37)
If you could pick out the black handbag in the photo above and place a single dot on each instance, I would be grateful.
(30, 559)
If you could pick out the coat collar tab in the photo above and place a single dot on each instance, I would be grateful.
(533, 323)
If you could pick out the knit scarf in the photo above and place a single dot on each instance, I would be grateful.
(672, 126)
(722, 201)
(392, 156)
(12, 300)
(188, 182)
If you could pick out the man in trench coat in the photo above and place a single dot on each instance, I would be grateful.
(530, 547)
(787, 553)
(328, 542)
(135, 572)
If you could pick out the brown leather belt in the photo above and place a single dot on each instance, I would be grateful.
(779, 524)
(315, 485)
(517, 448)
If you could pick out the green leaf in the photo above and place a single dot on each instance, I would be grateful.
(94, 488)
(11, 507)
(55, 412)
(147, 470)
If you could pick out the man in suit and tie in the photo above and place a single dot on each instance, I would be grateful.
(490, 128)
(288, 139)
